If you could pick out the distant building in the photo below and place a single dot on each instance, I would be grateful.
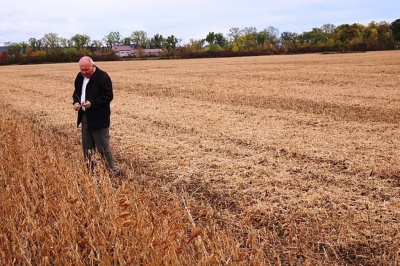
(126, 51)
(122, 50)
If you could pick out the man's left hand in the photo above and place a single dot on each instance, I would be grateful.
(86, 104)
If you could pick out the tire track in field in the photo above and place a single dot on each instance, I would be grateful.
(357, 113)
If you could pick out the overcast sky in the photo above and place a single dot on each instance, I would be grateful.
(23, 19)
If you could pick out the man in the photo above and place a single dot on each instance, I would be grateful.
(91, 99)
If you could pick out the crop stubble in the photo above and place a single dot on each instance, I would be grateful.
(310, 139)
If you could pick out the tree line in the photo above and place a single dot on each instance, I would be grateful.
(237, 42)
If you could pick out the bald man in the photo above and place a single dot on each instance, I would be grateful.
(91, 99)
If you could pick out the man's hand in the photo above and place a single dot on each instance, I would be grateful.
(77, 106)
(86, 104)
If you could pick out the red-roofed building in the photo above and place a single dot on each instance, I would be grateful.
(122, 50)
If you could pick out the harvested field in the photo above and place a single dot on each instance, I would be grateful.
(294, 158)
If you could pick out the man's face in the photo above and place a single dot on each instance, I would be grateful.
(87, 69)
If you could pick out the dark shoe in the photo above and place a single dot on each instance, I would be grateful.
(117, 173)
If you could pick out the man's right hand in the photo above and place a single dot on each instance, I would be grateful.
(77, 106)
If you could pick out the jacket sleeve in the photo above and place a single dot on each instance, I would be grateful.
(105, 95)
(76, 96)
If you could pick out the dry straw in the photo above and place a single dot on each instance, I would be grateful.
(279, 160)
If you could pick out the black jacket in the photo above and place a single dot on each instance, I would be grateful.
(99, 93)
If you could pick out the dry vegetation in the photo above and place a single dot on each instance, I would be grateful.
(279, 160)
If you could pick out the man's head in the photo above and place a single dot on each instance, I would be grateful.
(87, 66)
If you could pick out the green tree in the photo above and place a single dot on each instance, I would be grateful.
(127, 41)
(316, 35)
(81, 42)
(196, 45)
(52, 44)
(112, 39)
(216, 39)
(35, 44)
(13, 47)
(214, 48)
(262, 37)
(288, 41)
(139, 39)
(220, 39)
(157, 41)
(24, 46)
(71, 51)
(395, 26)
(288, 36)
(210, 38)
(264, 42)
(171, 43)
